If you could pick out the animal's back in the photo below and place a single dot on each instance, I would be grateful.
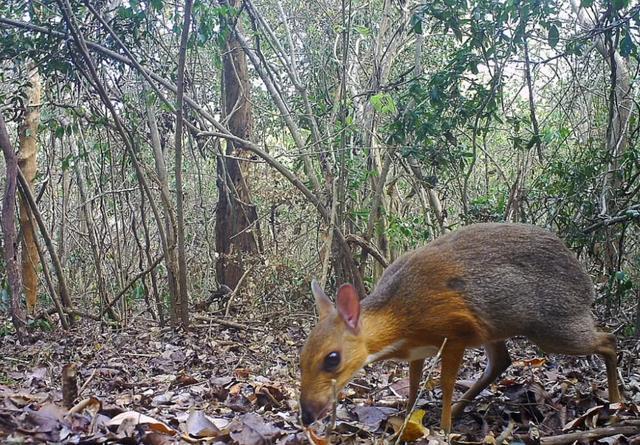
(518, 279)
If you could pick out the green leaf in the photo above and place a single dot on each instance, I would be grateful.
(586, 3)
(138, 293)
(554, 36)
(626, 45)
(125, 13)
(383, 103)
(621, 275)
(68, 162)
(416, 24)
(619, 4)
(363, 31)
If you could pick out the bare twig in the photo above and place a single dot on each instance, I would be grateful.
(223, 322)
(622, 216)
(235, 291)
(367, 247)
(334, 410)
(432, 366)
(623, 428)
(115, 299)
(506, 433)
(86, 382)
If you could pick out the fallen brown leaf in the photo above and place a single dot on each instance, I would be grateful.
(140, 419)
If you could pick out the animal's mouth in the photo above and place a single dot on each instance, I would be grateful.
(323, 412)
(309, 417)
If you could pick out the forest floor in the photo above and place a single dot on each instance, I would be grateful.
(237, 382)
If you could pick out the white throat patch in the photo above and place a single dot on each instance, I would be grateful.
(422, 352)
(385, 351)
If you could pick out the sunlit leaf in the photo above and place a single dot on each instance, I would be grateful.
(627, 45)
(554, 36)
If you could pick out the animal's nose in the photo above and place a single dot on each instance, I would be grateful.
(307, 416)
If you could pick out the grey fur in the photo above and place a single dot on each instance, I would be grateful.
(520, 279)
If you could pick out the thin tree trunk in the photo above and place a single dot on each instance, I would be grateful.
(236, 219)
(64, 203)
(289, 63)
(384, 52)
(147, 251)
(239, 41)
(532, 106)
(49, 281)
(620, 104)
(183, 300)
(169, 218)
(376, 211)
(11, 254)
(28, 164)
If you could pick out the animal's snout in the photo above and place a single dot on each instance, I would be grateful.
(308, 417)
(312, 410)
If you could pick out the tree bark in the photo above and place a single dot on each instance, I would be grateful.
(183, 299)
(28, 164)
(64, 294)
(11, 255)
(237, 229)
(169, 217)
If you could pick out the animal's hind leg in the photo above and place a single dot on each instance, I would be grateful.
(607, 349)
(579, 337)
(498, 360)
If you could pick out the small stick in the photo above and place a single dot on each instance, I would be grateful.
(598, 433)
(86, 383)
(432, 365)
(233, 293)
(334, 410)
(227, 323)
(504, 435)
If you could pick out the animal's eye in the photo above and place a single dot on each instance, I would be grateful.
(331, 361)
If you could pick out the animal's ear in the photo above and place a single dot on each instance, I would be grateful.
(323, 303)
(348, 304)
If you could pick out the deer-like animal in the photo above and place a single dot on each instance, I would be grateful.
(476, 286)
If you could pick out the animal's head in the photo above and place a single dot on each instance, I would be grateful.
(335, 350)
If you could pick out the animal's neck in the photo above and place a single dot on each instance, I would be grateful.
(392, 333)
(384, 337)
